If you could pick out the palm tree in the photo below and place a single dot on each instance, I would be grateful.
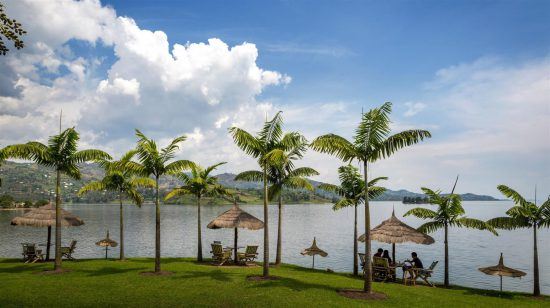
(449, 213)
(270, 138)
(120, 180)
(61, 153)
(156, 162)
(525, 214)
(283, 175)
(200, 184)
(351, 191)
(372, 142)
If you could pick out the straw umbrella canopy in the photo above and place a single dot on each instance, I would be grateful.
(107, 242)
(235, 218)
(313, 251)
(501, 270)
(394, 231)
(44, 216)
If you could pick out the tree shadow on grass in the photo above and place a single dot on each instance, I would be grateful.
(162, 261)
(110, 270)
(490, 293)
(23, 268)
(293, 284)
(215, 275)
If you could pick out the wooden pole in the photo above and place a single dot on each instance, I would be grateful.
(313, 265)
(500, 283)
(235, 244)
(48, 244)
(393, 252)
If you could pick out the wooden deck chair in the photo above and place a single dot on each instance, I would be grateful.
(250, 254)
(362, 260)
(67, 252)
(381, 270)
(219, 255)
(425, 273)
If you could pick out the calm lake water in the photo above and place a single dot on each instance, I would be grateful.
(469, 249)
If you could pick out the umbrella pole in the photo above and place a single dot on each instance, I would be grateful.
(500, 283)
(393, 252)
(235, 244)
(313, 265)
(106, 249)
(48, 243)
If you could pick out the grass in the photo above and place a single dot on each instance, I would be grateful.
(114, 283)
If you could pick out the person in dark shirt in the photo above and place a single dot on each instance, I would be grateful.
(416, 263)
(379, 253)
(386, 255)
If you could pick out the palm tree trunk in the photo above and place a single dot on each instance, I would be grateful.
(536, 286)
(446, 281)
(49, 244)
(355, 244)
(367, 287)
(199, 237)
(121, 227)
(157, 227)
(266, 229)
(279, 232)
(57, 264)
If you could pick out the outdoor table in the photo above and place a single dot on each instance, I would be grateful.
(233, 247)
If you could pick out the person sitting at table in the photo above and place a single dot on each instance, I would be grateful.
(379, 253)
(414, 263)
(386, 255)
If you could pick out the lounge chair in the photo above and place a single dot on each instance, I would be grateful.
(250, 254)
(219, 255)
(67, 252)
(381, 270)
(424, 273)
(31, 254)
(362, 260)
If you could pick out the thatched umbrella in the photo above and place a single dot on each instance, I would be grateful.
(501, 270)
(394, 231)
(235, 218)
(44, 216)
(107, 242)
(313, 251)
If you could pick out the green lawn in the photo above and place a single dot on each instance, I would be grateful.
(114, 283)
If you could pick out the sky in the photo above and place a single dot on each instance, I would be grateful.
(476, 74)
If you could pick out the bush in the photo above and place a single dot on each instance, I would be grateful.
(7, 201)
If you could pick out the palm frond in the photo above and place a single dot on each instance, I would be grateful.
(178, 192)
(376, 180)
(298, 183)
(430, 227)
(246, 142)
(508, 223)
(331, 188)
(399, 141)
(250, 176)
(135, 196)
(178, 166)
(143, 182)
(90, 155)
(303, 172)
(512, 194)
(421, 213)
(342, 203)
(475, 224)
(335, 145)
(92, 186)
(212, 168)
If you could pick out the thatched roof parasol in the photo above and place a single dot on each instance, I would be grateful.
(107, 242)
(501, 270)
(235, 218)
(313, 251)
(394, 231)
(44, 216)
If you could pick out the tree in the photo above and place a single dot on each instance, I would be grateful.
(11, 30)
(281, 176)
(152, 161)
(2, 159)
(372, 142)
(271, 137)
(525, 214)
(119, 179)
(61, 153)
(200, 184)
(449, 213)
(352, 192)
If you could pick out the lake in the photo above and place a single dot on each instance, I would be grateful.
(469, 249)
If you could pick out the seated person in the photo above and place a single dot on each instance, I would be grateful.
(379, 253)
(386, 255)
(414, 263)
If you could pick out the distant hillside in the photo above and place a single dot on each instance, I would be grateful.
(28, 181)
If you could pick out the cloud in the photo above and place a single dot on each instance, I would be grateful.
(332, 51)
(413, 108)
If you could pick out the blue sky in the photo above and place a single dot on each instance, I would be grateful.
(475, 73)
